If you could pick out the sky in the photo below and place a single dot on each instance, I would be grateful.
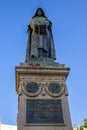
(69, 18)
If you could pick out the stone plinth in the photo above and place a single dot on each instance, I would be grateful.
(42, 97)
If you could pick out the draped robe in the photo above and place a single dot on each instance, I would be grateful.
(40, 39)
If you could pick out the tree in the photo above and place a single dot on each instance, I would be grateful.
(84, 125)
(85, 122)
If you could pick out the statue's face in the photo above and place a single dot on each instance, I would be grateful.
(39, 12)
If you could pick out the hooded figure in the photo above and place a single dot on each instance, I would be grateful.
(40, 39)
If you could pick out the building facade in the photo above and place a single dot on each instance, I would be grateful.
(8, 127)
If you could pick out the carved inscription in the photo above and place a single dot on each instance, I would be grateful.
(44, 111)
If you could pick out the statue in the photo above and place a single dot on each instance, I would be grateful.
(40, 39)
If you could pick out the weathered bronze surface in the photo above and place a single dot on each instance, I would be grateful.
(31, 87)
(44, 111)
(40, 39)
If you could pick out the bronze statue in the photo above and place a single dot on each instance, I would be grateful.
(40, 39)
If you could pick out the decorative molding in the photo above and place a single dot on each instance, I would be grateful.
(55, 94)
(31, 94)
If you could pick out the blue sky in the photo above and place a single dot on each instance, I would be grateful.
(69, 18)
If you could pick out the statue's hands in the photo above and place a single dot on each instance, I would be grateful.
(39, 23)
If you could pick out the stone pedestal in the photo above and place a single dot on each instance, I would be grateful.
(42, 97)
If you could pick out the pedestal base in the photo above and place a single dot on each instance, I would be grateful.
(42, 97)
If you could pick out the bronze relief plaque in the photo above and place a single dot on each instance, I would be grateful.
(44, 111)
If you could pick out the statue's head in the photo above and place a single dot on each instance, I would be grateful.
(39, 12)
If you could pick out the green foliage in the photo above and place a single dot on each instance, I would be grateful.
(81, 127)
(84, 125)
(85, 122)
